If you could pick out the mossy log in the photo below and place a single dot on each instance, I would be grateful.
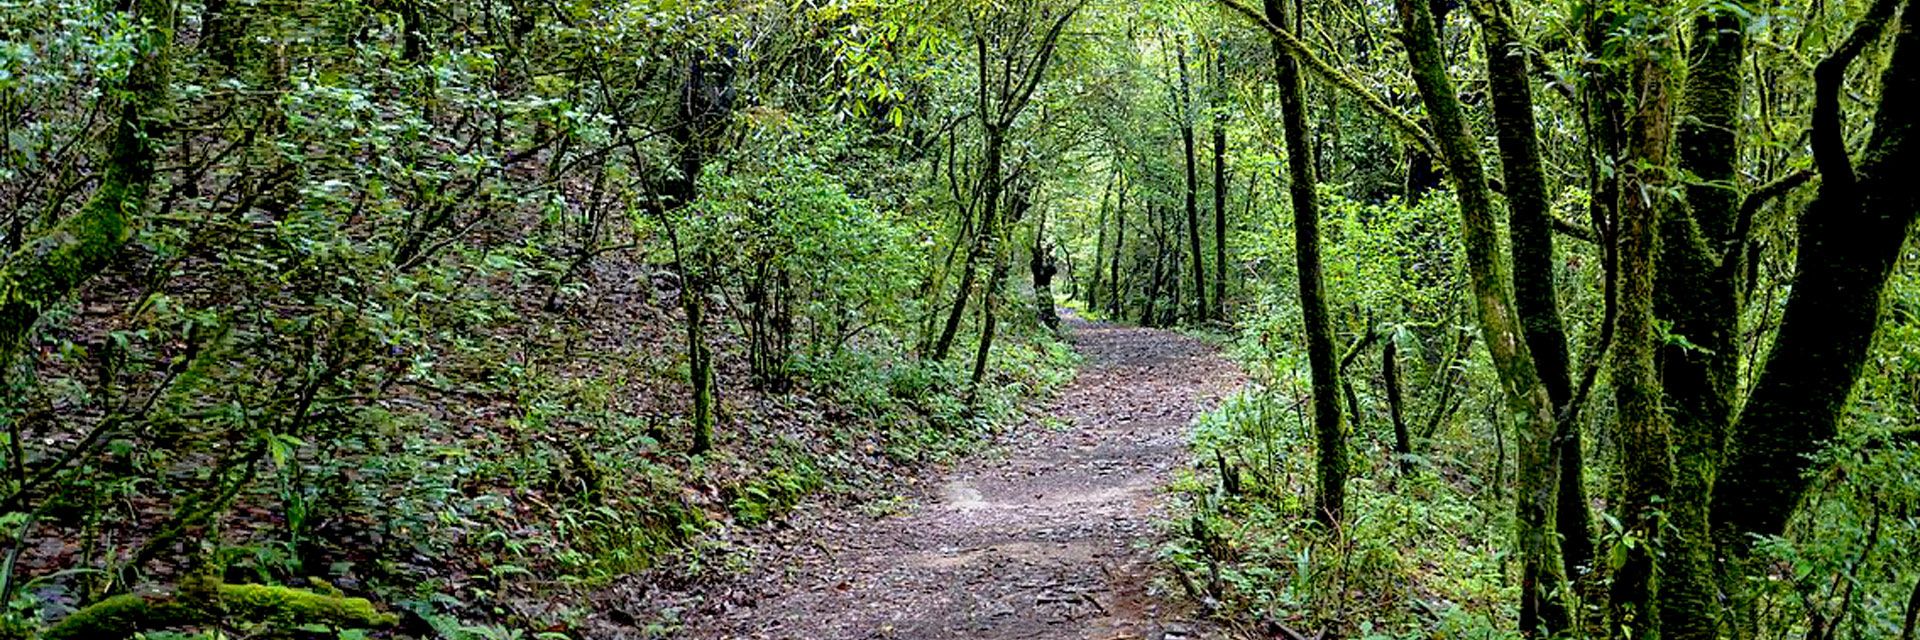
(208, 602)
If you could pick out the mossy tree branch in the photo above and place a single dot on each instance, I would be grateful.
(1306, 55)
(52, 265)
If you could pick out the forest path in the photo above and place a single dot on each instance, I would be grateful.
(1051, 539)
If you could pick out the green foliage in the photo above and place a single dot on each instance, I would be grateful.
(791, 478)
(1426, 554)
(405, 316)
(419, 299)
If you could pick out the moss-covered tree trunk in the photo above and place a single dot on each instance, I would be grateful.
(1531, 248)
(1697, 294)
(699, 360)
(48, 267)
(985, 243)
(203, 601)
(1600, 95)
(1526, 395)
(1042, 266)
(1850, 239)
(1329, 427)
(704, 108)
(989, 321)
(1646, 459)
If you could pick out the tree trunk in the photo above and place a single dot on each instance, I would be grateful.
(1646, 458)
(989, 323)
(988, 246)
(1390, 372)
(697, 125)
(1850, 239)
(1159, 265)
(1193, 187)
(1700, 265)
(1330, 439)
(1531, 249)
(982, 234)
(1116, 300)
(1099, 252)
(951, 328)
(1043, 268)
(1531, 406)
(1219, 190)
(52, 265)
(1600, 117)
(699, 361)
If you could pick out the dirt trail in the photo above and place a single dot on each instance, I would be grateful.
(1051, 540)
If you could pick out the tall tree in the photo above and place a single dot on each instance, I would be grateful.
(1220, 184)
(1116, 295)
(1700, 266)
(1186, 115)
(1646, 445)
(1526, 394)
(1531, 251)
(1329, 427)
(1024, 37)
(1094, 278)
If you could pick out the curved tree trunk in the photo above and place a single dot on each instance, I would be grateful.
(1531, 249)
(48, 267)
(1850, 239)
(1521, 385)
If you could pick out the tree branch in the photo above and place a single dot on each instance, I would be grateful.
(1829, 140)
(1407, 127)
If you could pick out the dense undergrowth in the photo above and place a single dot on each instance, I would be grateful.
(462, 309)
(1425, 550)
